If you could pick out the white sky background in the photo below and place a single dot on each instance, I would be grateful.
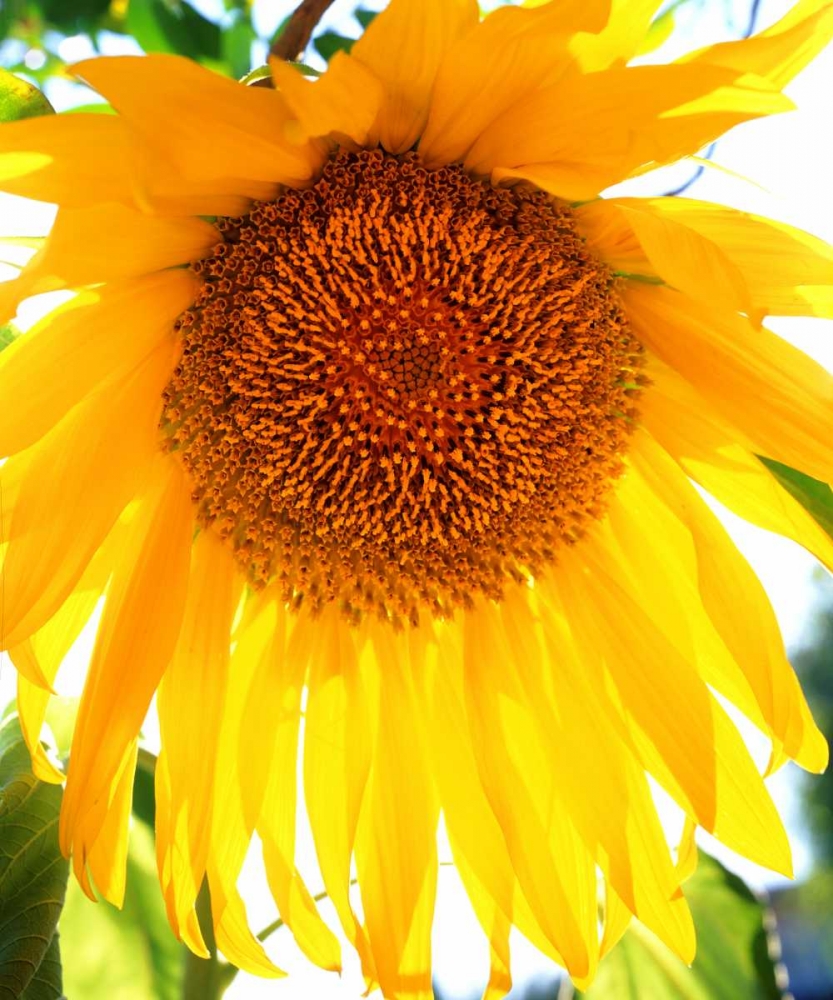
(791, 157)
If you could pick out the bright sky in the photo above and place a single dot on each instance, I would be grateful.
(791, 157)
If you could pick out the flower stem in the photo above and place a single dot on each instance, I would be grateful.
(294, 38)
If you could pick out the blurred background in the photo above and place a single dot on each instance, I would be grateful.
(758, 937)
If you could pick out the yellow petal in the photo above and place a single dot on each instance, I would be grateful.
(73, 160)
(776, 395)
(769, 267)
(78, 480)
(109, 242)
(615, 121)
(345, 101)
(737, 604)
(232, 824)
(705, 447)
(74, 349)
(136, 638)
(403, 48)
(683, 736)
(396, 841)
(337, 748)
(620, 39)
(190, 726)
(274, 705)
(780, 52)
(618, 823)
(510, 54)
(517, 775)
(209, 126)
(617, 919)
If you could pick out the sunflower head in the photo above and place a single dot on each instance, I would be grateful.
(368, 401)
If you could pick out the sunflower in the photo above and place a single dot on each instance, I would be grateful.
(371, 433)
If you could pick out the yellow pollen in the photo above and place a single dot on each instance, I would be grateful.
(401, 388)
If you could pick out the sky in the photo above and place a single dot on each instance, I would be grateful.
(789, 161)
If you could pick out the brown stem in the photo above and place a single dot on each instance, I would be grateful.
(294, 38)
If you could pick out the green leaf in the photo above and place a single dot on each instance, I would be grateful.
(814, 496)
(329, 42)
(732, 961)
(8, 335)
(46, 984)
(237, 46)
(33, 874)
(130, 954)
(174, 26)
(365, 17)
(19, 99)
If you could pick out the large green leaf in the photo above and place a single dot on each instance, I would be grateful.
(130, 954)
(816, 497)
(20, 99)
(732, 960)
(33, 874)
(173, 26)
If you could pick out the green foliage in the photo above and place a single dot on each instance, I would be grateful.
(130, 953)
(160, 26)
(19, 99)
(33, 875)
(732, 960)
(816, 497)
(7, 336)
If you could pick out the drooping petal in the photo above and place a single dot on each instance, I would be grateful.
(619, 40)
(190, 705)
(72, 160)
(136, 638)
(684, 738)
(80, 345)
(209, 126)
(706, 448)
(517, 775)
(736, 602)
(108, 242)
(511, 53)
(587, 132)
(779, 52)
(338, 743)
(345, 101)
(776, 395)
(396, 840)
(403, 48)
(78, 480)
(753, 264)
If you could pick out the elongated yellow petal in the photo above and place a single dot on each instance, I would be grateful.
(396, 841)
(275, 702)
(78, 480)
(738, 606)
(345, 101)
(207, 125)
(75, 348)
(683, 736)
(72, 160)
(232, 824)
(615, 121)
(403, 48)
(754, 264)
(780, 52)
(136, 638)
(511, 53)
(337, 750)
(776, 395)
(518, 778)
(190, 728)
(107, 243)
(706, 448)
(619, 824)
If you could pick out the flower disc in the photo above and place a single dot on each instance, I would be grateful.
(401, 388)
